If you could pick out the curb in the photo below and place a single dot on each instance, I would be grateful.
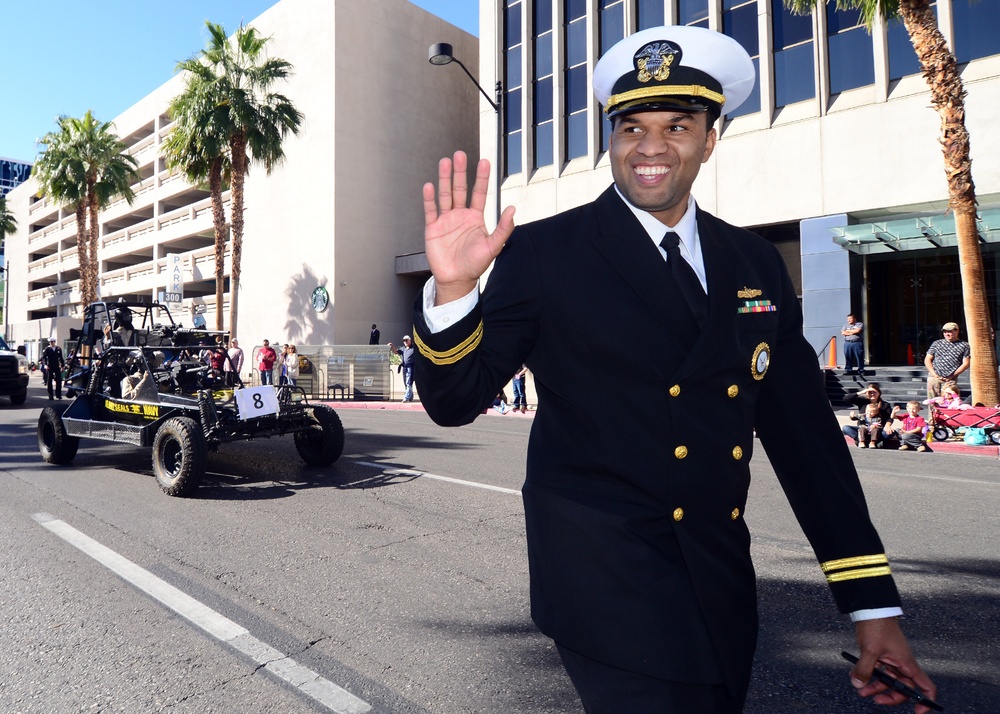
(403, 406)
(951, 447)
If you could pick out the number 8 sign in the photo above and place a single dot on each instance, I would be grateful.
(257, 401)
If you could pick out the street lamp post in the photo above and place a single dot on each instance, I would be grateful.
(442, 53)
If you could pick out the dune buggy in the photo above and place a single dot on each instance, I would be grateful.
(136, 377)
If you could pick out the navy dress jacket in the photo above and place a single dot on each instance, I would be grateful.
(638, 460)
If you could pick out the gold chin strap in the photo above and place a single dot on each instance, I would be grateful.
(677, 90)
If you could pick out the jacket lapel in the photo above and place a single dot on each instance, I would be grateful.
(625, 244)
(720, 273)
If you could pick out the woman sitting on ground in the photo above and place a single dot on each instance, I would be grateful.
(872, 394)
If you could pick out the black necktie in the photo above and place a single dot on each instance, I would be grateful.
(685, 276)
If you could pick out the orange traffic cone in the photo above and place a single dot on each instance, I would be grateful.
(832, 361)
(909, 355)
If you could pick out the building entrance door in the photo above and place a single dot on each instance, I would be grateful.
(910, 298)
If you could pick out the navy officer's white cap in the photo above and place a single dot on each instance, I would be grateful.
(674, 67)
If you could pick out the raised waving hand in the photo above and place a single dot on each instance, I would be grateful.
(459, 248)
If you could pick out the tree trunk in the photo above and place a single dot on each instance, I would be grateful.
(940, 69)
(219, 224)
(82, 251)
(238, 148)
(93, 268)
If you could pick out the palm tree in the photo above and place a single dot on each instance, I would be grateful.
(940, 70)
(84, 164)
(195, 146)
(233, 80)
(8, 224)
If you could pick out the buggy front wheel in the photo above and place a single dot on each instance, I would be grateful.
(54, 444)
(324, 442)
(179, 455)
(995, 436)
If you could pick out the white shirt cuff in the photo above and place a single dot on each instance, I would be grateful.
(439, 317)
(879, 613)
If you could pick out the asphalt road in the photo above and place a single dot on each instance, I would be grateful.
(378, 586)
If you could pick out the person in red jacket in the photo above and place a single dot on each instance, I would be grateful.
(267, 356)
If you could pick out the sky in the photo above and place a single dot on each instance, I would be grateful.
(63, 57)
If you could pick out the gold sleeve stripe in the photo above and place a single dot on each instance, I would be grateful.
(857, 574)
(455, 353)
(860, 561)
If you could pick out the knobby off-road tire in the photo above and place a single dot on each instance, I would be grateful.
(324, 443)
(54, 444)
(179, 456)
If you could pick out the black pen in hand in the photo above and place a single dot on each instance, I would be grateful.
(893, 683)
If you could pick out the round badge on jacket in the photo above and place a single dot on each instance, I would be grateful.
(761, 360)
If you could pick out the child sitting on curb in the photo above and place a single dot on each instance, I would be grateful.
(870, 427)
(913, 429)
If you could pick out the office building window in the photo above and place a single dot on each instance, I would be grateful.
(543, 117)
(976, 26)
(649, 13)
(513, 134)
(902, 58)
(794, 76)
(852, 59)
(612, 19)
(692, 12)
(739, 21)
(576, 90)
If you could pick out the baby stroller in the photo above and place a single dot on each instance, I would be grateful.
(946, 422)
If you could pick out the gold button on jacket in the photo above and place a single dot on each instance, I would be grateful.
(735, 514)
(733, 390)
(675, 390)
(737, 453)
(680, 452)
(678, 514)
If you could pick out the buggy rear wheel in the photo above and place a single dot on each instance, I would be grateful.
(995, 436)
(54, 444)
(943, 433)
(324, 442)
(179, 455)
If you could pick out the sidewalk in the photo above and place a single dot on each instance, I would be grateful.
(405, 407)
(942, 447)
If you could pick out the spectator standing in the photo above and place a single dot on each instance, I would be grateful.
(854, 345)
(913, 429)
(374, 336)
(946, 358)
(53, 364)
(520, 396)
(266, 366)
(283, 377)
(406, 352)
(233, 365)
(290, 366)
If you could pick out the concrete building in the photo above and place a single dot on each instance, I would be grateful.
(343, 214)
(835, 157)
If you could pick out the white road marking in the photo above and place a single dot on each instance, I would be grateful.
(424, 474)
(334, 698)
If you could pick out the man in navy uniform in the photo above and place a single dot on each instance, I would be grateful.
(53, 364)
(639, 555)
